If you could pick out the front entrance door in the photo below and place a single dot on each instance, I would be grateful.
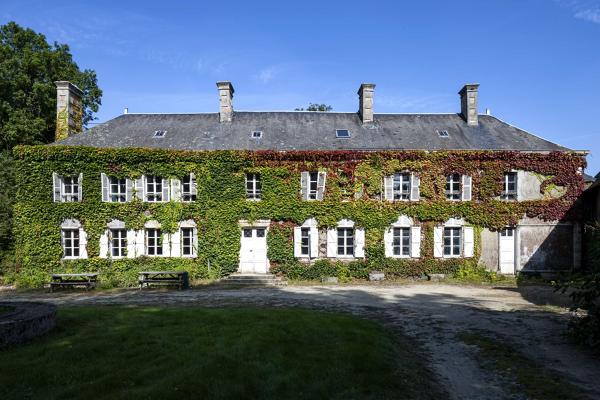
(253, 251)
(507, 251)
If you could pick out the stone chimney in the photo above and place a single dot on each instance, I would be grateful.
(365, 102)
(225, 101)
(69, 110)
(468, 103)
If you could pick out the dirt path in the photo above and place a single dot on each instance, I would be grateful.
(432, 314)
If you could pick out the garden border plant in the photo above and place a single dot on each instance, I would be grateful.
(353, 191)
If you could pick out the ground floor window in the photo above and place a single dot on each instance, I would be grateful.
(305, 241)
(153, 242)
(452, 241)
(345, 245)
(188, 243)
(70, 243)
(118, 242)
(401, 242)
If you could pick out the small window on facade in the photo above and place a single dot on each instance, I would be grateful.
(70, 189)
(256, 134)
(253, 187)
(248, 233)
(507, 232)
(154, 189)
(118, 242)
(342, 133)
(153, 242)
(118, 190)
(452, 242)
(188, 245)
(313, 185)
(345, 245)
(453, 187)
(443, 133)
(305, 241)
(509, 191)
(401, 186)
(188, 194)
(160, 133)
(401, 242)
(70, 243)
(260, 232)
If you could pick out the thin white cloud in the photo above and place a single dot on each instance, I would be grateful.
(592, 15)
(586, 10)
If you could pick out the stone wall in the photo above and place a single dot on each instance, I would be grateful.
(27, 321)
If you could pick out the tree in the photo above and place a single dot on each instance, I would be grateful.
(316, 107)
(29, 66)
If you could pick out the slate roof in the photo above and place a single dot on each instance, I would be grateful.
(309, 131)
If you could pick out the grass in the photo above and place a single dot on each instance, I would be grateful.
(168, 353)
(530, 378)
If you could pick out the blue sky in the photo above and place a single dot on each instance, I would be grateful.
(538, 61)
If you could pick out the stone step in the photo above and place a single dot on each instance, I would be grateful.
(253, 280)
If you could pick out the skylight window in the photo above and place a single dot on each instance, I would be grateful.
(256, 134)
(443, 134)
(342, 133)
(160, 133)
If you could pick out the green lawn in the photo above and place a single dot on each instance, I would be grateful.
(163, 353)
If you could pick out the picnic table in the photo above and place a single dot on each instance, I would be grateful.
(73, 280)
(167, 278)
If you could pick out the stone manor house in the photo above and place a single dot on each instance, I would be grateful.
(533, 240)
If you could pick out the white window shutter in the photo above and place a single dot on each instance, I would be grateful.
(321, 185)
(56, 182)
(105, 187)
(359, 244)
(195, 247)
(194, 187)
(314, 242)
(166, 190)
(139, 189)
(438, 241)
(304, 176)
(80, 187)
(82, 243)
(297, 241)
(466, 187)
(388, 242)
(166, 244)
(175, 189)
(468, 235)
(128, 189)
(415, 241)
(131, 239)
(388, 188)
(415, 183)
(104, 244)
(140, 243)
(332, 243)
(176, 244)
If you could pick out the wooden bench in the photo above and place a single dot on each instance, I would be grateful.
(166, 278)
(73, 280)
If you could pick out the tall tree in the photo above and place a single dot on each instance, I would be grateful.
(29, 66)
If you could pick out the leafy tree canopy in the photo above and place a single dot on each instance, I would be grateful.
(316, 107)
(29, 66)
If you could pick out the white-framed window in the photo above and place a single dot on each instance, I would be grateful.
(402, 239)
(117, 190)
(401, 242)
(188, 188)
(154, 188)
(401, 186)
(312, 185)
(188, 242)
(306, 240)
(67, 188)
(345, 245)
(453, 239)
(153, 242)
(253, 186)
(70, 238)
(509, 189)
(345, 241)
(117, 243)
(453, 189)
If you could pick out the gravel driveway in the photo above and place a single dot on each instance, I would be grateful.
(431, 313)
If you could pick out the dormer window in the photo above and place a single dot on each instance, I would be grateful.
(342, 133)
(160, 133)
(443, 133)
(256, 134)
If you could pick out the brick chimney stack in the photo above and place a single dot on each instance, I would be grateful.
(225, 101)
(69, 110)
(468, 103)
(365, 102)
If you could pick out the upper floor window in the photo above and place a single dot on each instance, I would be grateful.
(154, 188)
(67, 188)
(115, 190)
(401, 186)
(253, 187)
(509, 190)
(153, 242)
(453, 187)
(188, 188)
(312, 185)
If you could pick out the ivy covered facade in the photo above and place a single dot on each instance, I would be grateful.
(196, 197)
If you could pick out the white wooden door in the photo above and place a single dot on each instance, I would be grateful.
(507, 251)
(253, 250)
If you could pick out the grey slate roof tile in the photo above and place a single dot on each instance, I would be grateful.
(309, 131)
